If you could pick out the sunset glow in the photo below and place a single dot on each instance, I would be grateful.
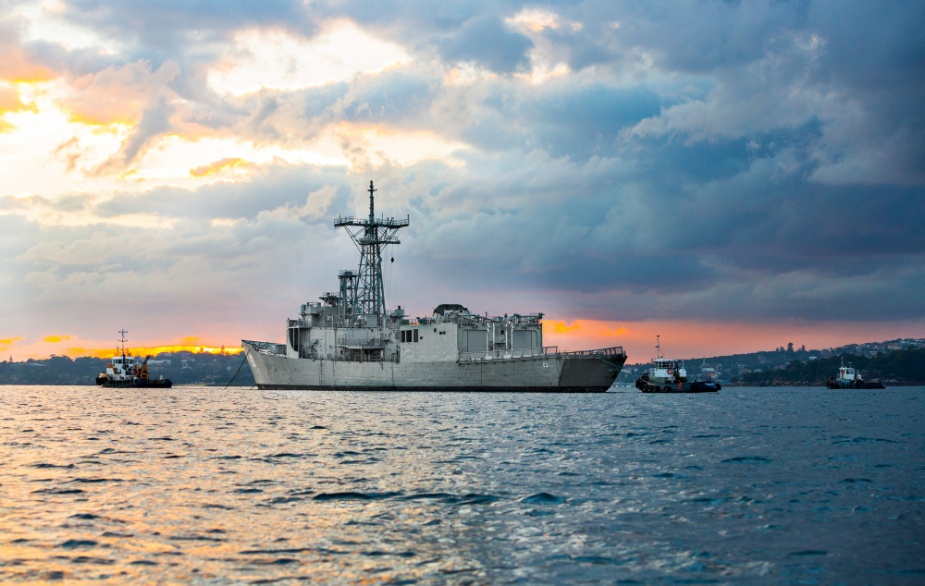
(75, 347)
(690, 339)
(151, 351)
(678, 339)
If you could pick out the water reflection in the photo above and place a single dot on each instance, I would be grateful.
(203, 483)
(228, 486)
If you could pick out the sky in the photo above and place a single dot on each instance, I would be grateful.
(731, 176)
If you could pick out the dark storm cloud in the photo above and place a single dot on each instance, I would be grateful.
(169, 25)
(854, 67)
(581, 122)
(722, 231)
(488, 43)
(711, 36)
(877, 54)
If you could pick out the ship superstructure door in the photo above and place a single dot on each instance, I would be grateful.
(524, 339)
(294, 338)
(476, 341)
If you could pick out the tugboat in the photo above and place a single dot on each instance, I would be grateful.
(669, 376)
(350, 341)
(130, 371)
(849, 378)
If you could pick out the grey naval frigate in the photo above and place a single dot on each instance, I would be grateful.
(349, 340)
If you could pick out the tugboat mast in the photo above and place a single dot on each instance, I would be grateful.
(370, 236)
(122, 339)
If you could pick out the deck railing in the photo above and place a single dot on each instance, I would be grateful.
(357, 358)
(546, 352)
(267, 347)
(356, 221)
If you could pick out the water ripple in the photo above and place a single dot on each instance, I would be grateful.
(228, 486)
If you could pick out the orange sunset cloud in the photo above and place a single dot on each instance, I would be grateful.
(153, 350)
(6, 343)
(118, 94)
(17, 67)
(216, 167)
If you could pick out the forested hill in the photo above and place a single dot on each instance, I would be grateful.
(905, 366)
(182, 368)
(899, 367)
(895, 362)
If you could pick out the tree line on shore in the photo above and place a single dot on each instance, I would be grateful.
(182, 368)
(898, 367)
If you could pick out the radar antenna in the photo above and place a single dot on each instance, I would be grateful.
(370, 236)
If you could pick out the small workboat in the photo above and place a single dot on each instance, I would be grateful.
(668, 375)
(130, 371)
(849, 378)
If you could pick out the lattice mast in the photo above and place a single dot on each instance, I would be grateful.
(370, 237)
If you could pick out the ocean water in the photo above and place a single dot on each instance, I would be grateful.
(234, 486)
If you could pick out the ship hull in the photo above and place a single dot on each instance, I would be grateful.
(547, 374)
(136, 383)
(837, 384)
(673, 387)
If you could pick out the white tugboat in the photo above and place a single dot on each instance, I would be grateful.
(669, 376)
(849, 378)
(349, 341)
(129, 371)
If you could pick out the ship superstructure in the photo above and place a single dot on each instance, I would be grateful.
(348, 340)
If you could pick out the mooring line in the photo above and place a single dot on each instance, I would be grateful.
(239, 368)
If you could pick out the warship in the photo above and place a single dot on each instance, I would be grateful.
(349, 341)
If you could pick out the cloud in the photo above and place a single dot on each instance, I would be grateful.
(120, 93)
(694, 161)
(791, 68)
(154, 123)
(275, 59)
(488, 43)
(169, 27)
(228, 163)
(19, 64)
(10, 101)
(9, 343)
